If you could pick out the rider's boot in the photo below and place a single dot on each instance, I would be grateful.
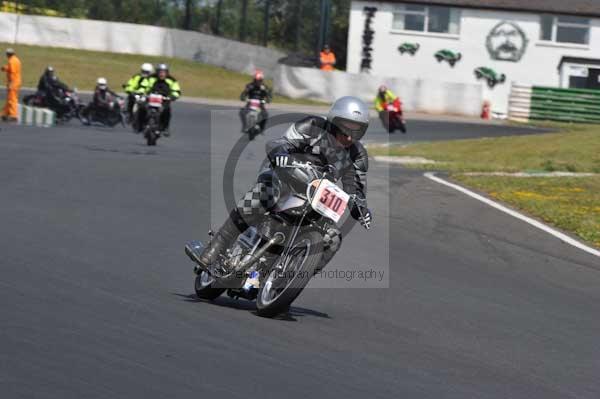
(231, 229)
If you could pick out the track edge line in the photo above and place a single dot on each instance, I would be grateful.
(535, 223)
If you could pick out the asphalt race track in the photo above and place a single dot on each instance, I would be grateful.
(97, 294)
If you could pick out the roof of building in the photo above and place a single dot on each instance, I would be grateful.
(589, 8)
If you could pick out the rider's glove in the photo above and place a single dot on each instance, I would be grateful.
(282, 160)
(330, 170)
(366, 218)
(360, 212)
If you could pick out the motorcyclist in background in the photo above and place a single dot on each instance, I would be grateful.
(391, 119)
(54, 91)
(256, 90)
(333, 143)
(103, 101)
(138, 84)
(163, 83)
(385, 96)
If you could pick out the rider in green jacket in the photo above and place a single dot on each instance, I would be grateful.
(137, 85)
(163, 83)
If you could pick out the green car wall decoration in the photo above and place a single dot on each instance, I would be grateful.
(492, 77)
(447, 55)
(410, 48)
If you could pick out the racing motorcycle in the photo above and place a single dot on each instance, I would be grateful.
(273, 262)
(153, 104)
(392, 117)
(252, 125)
(111, 118)
(71, 108)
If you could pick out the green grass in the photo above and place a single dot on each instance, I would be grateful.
(571, 204)
(574, 149)
(79, 68)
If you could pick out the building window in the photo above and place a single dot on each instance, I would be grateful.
(565, 29)
(434, 19)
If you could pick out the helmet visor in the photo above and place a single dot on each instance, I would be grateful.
(353, 129)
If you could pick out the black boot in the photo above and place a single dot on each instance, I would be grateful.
(223, 240)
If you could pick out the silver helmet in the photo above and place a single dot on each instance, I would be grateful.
(350, 116)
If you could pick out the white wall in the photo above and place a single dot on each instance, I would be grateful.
(539, 65)
(137, 39)
(431, 96)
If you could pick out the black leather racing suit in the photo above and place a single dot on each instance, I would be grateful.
(309, 136)
(53, 91)
(256, 91)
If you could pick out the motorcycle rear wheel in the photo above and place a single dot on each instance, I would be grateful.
(281, 288)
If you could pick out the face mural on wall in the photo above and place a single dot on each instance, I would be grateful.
(506, 42)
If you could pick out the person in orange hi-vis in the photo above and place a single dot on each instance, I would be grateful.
(13, 85)
(327, 59)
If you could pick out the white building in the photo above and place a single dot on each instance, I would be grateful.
(539, 42)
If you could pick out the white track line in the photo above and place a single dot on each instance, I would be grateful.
(533, 222)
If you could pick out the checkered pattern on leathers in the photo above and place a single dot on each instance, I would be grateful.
(332, 240)
(262, 197)
(337, 156)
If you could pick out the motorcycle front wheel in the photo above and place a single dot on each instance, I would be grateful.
(204, 287)
(151, 138)
(283, 284)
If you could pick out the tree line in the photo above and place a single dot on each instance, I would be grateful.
(290, 25)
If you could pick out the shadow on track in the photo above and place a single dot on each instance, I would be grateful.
(237, 304)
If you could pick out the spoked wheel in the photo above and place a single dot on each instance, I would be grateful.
(204, 286)
(283, 284)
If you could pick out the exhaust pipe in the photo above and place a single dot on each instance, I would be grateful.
(278, 238)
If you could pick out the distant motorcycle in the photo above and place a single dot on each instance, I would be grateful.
(154, 104)
(110, 118)
(71, 104)
(392, 117)
(252, 126)
(36, 99)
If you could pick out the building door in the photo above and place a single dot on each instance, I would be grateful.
(593, 80)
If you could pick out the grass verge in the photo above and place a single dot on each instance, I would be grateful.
(571, 204)
(573, 149)
(80, 68)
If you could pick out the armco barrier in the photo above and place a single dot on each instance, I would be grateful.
(417, 95)
(117, 37)
(554, 104)
(519, 103)
(33, 116)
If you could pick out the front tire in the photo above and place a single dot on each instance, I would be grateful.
(385, 121)
(204, 287)
(281, 288)
(151, 138)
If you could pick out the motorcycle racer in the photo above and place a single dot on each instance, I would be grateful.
(53, 90)
(137, 84)
(334, 143)
(389, 107)
(103, 101)
(385, 96)
(163, 83)
(256, 90)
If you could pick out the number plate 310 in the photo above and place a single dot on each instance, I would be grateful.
(330, 200)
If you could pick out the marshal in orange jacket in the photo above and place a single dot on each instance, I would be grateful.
(13, 84)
